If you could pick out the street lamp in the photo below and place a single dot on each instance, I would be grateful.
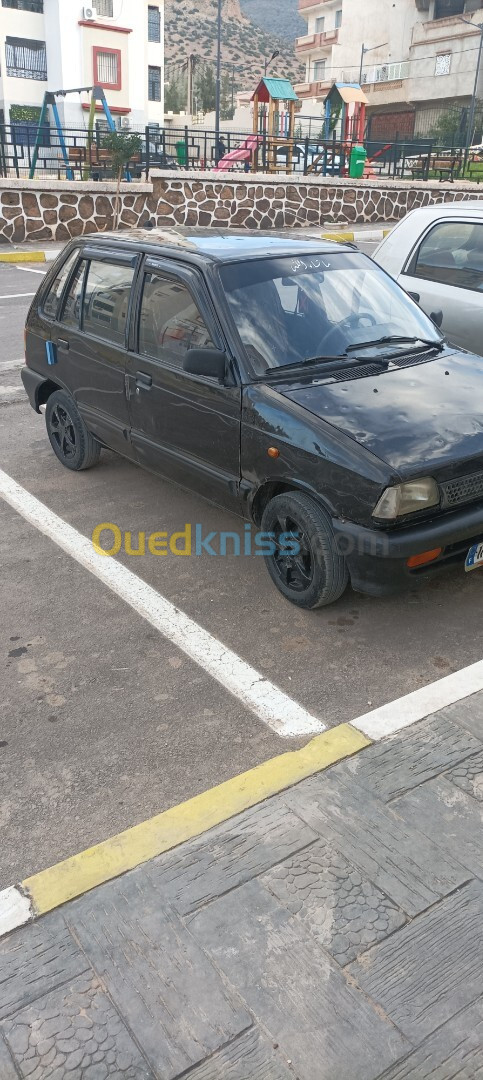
(363, 53)
(218, 83)
(273, 57)
(471, 120)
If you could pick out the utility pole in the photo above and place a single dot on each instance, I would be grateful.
(218, 83)
(363, 53)
(191, 66)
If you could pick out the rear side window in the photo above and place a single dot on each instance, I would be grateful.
(71, 308)
(51, 302)
(170, 322)
(106, 301)
(452, 254)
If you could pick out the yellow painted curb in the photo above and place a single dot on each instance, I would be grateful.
(385, 232)
(23, 256)
(75, 876)
(339, 237)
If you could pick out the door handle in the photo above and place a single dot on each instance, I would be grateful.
(63, 344)
(143, 381)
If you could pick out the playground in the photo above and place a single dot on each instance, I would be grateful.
(282, 141)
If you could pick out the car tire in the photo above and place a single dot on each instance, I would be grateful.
(69, 438)
(318, 575)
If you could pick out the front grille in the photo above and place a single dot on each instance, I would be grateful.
(462, 490)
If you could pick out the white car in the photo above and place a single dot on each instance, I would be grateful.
(436, 254)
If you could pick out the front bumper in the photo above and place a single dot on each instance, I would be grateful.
(377, 559)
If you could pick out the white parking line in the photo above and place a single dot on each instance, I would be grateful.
(30, 270)
(16, 295)
(273, 706)
(11, 365)
(421, 703)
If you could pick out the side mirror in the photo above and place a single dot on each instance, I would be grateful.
(414, 296)
(208, 362)
(437, 318)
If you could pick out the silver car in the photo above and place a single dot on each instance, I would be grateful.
(436, 254)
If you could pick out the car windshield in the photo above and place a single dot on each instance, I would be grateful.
(291, 309)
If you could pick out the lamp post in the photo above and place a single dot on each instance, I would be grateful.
(365, 50)
(273, 57)
(471, 119)
(218, 83)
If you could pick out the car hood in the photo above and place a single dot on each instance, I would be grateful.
(419, 418)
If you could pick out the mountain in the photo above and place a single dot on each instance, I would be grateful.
(191, 29)
(279, 17)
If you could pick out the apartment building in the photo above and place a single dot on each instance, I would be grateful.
(419, 57)
(64, 44)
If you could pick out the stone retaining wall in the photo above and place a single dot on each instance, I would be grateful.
(38, 210)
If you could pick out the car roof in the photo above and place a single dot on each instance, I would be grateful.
(469, 208)
(215, 245)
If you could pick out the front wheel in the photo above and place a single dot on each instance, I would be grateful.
(305, 565)
(69, 438)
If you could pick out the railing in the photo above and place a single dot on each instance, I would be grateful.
(309, 153)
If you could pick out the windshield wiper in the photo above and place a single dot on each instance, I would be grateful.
(329, 361)
(395, 339)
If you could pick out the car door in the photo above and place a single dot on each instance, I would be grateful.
(445, 273)
(91, 342)
(185, 426)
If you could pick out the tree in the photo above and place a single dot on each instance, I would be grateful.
(175, 95)
(227, 111)
(122, 148)
(205, 88)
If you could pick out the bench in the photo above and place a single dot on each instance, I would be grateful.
(447, 167)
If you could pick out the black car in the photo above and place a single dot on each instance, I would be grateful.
(292, 381)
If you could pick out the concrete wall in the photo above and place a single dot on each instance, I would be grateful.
(59, 209)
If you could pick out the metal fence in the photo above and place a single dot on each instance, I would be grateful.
(196, 149)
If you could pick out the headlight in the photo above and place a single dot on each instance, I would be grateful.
(406, 499)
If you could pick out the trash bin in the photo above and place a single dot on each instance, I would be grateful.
(181, 153)
(357, 162)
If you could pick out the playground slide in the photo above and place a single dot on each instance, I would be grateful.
(242, 153)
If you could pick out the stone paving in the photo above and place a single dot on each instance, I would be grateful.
(334, 932)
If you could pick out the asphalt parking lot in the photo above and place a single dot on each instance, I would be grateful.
(105, 721)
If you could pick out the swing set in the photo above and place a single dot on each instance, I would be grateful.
(50, 98)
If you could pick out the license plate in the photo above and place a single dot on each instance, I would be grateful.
(474, 558)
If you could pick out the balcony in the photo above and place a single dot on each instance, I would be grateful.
(316, 41)
(304, 4)
(313, 89)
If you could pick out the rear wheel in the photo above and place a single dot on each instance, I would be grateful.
(305, 566)
(69, 438)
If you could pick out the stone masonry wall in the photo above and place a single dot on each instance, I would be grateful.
(38, 210)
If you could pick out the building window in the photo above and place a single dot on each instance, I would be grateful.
(105, 8)
(154, 83)
(443, 64)
(25, 5)
(444, 9)
(319, 70)
(319, 25)
(154, 24)
(338, 19)
(107, 67)
(26, 59)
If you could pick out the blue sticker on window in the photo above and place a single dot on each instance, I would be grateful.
(51, 352)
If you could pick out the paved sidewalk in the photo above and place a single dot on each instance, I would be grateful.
(332, 932)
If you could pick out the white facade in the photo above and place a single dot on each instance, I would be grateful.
(64, 44)
(419, 52)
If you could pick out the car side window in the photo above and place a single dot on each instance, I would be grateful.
(71, 309)
(106, 300)
(50, 304)
(452, 254)
(169, 322)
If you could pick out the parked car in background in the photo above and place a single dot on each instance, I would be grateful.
(291, 381)
(436, 254)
